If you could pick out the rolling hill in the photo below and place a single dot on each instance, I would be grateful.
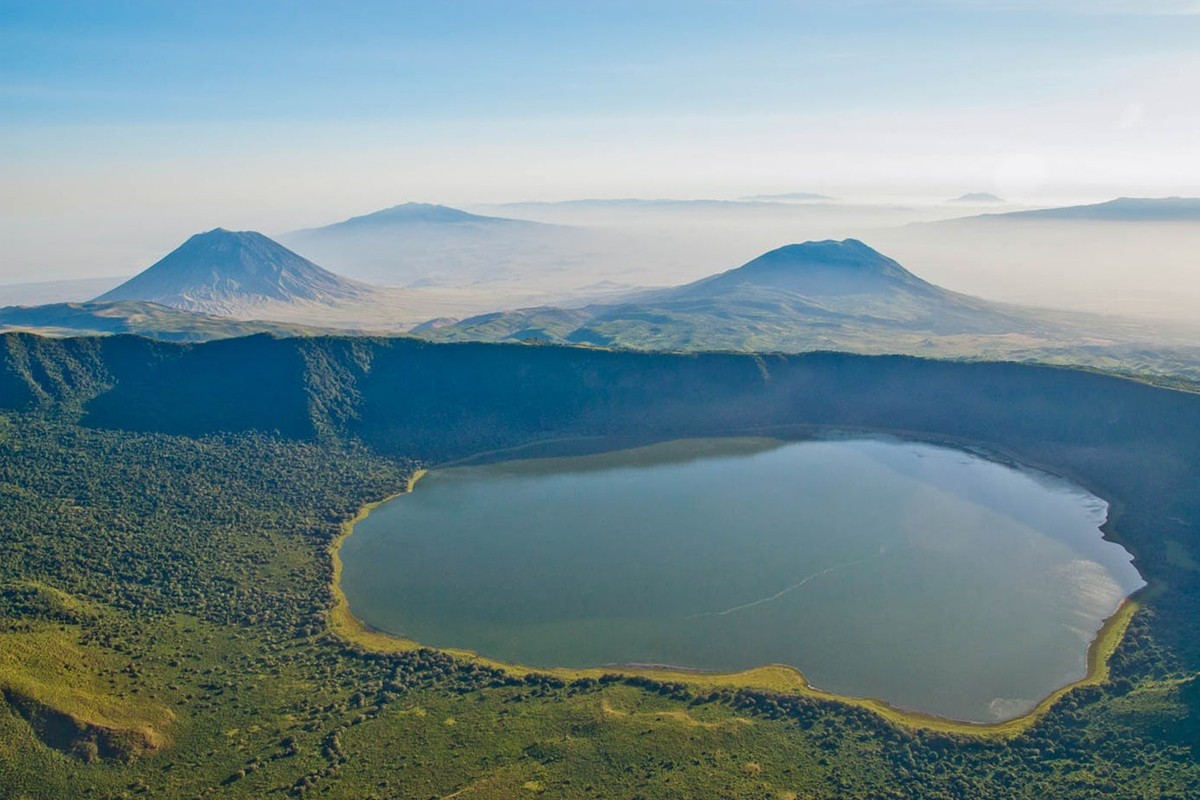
(139, 317)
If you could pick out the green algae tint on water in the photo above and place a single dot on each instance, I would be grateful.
(921, 575)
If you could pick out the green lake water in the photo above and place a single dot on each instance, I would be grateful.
(922, 575)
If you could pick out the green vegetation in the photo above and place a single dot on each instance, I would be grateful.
(168, 516)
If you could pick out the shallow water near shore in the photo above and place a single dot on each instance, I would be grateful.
(918, 574)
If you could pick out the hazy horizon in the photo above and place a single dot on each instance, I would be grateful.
(130, 126)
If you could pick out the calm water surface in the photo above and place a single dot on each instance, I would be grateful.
(922, 575)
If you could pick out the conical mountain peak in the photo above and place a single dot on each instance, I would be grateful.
(815, 268)
(227, 272)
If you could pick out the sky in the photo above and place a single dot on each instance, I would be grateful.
(126, 126)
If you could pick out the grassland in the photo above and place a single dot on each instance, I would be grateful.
(65, 690)
(251, 696)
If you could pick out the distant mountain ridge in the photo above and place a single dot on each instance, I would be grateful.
(410, 214)
(232, 272)
(803, 197)
(978, 198)
(1122, 209)
(422, 245)
(650, 203)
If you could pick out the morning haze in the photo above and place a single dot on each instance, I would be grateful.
(790, 99)
(631, 399)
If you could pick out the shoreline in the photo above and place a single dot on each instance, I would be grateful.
(777, 678)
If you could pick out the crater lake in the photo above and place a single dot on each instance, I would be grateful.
(926, 576)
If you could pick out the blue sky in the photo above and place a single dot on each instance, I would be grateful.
(286, 113)
(148, 62)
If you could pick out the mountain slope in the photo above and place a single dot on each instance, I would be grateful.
(1123, 209)
(813, 269)
(414, 214)
(794, 297)
(231, 273)
(837, 296)
(419, 244)
(136, 316)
